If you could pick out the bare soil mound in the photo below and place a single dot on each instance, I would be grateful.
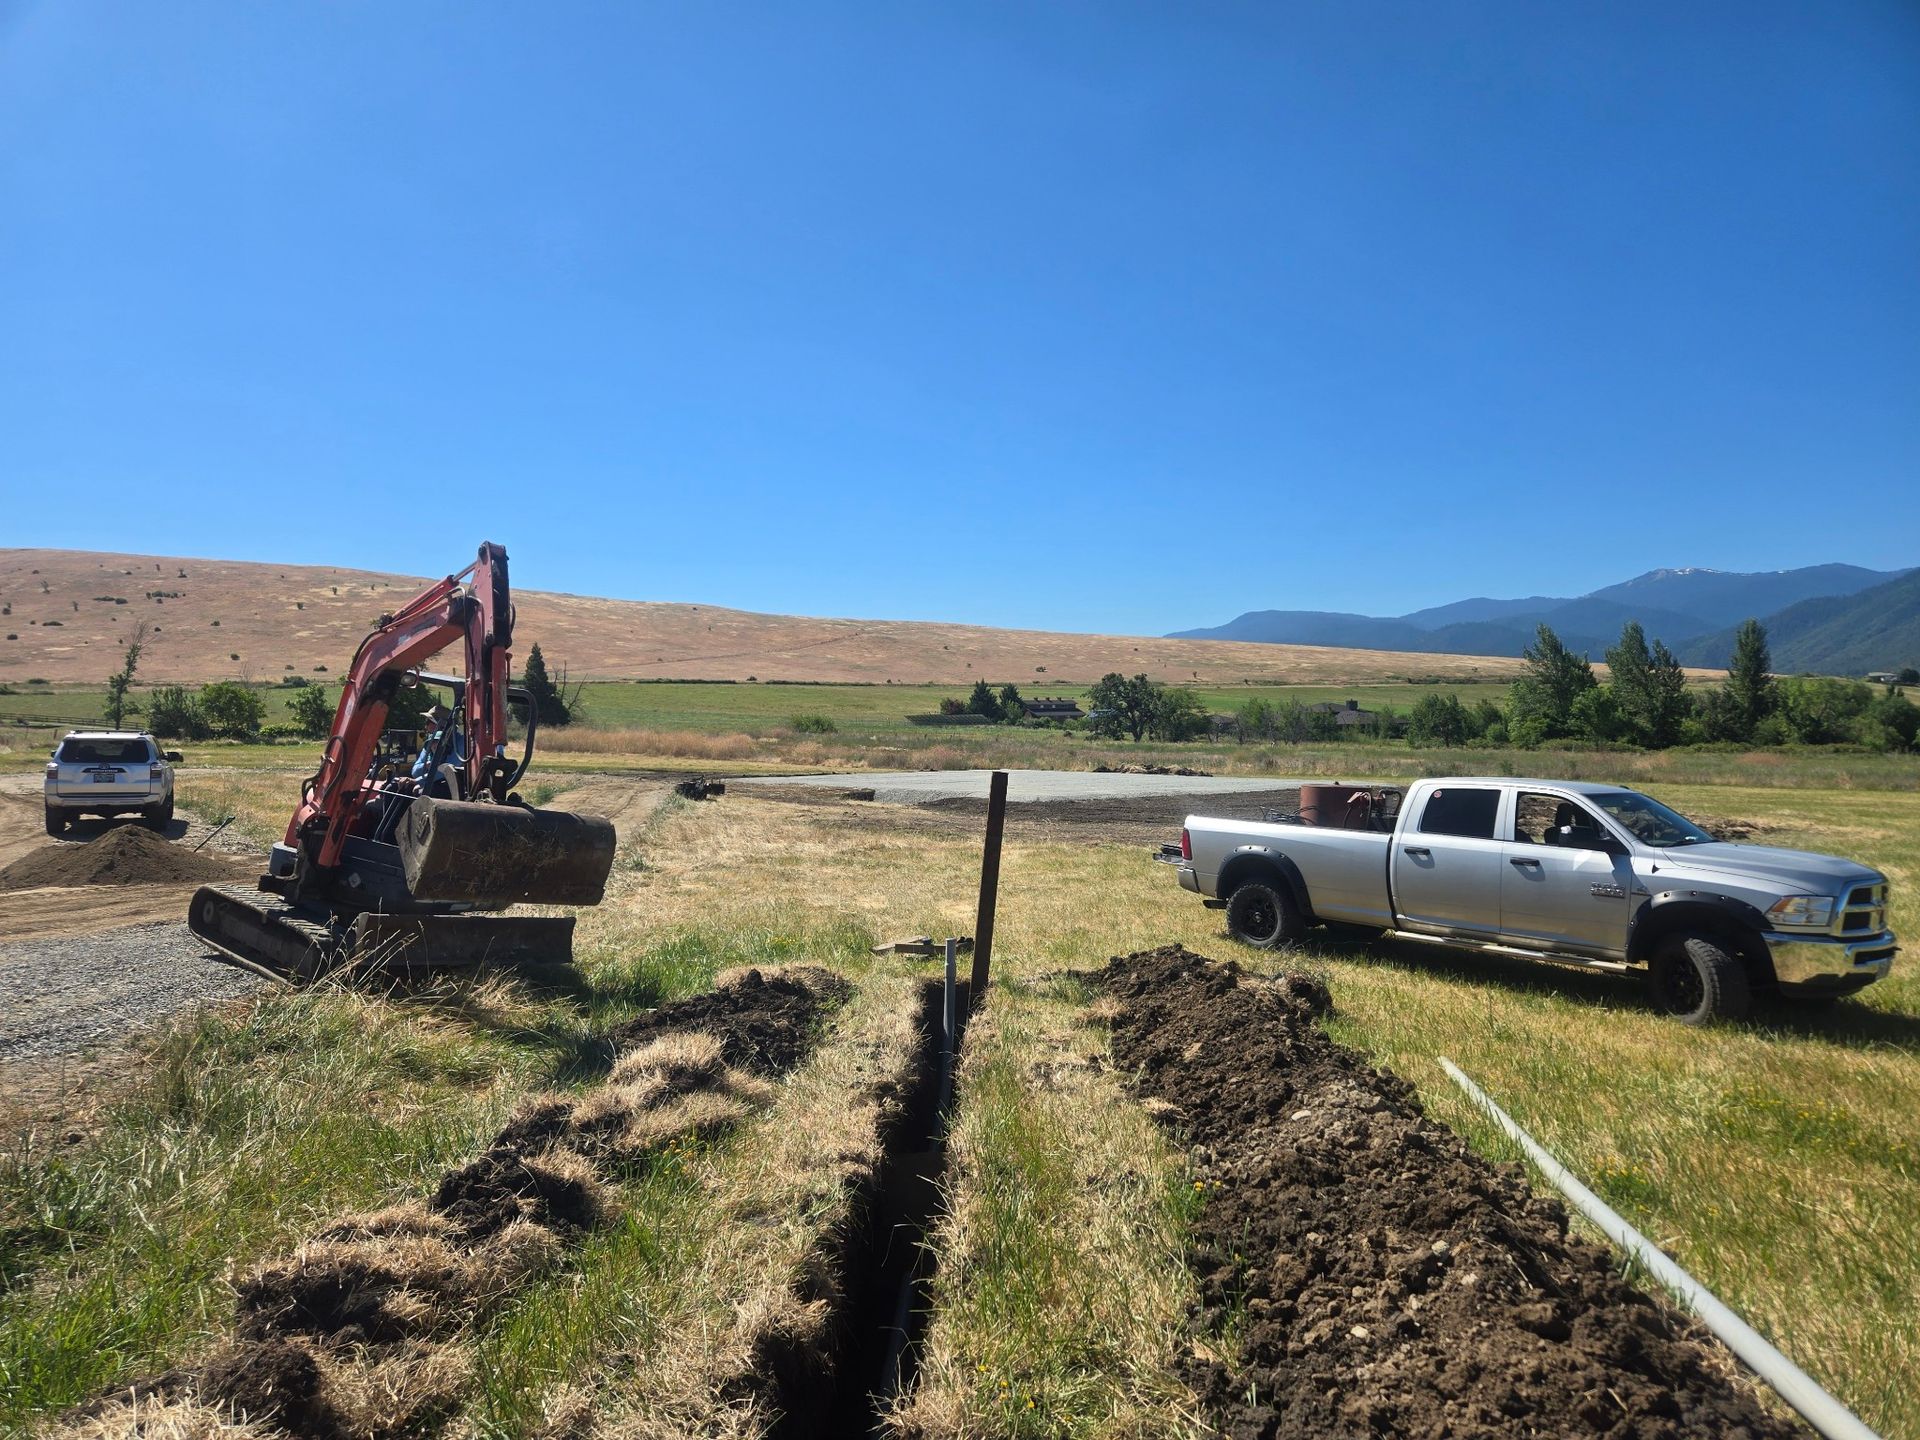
(1383, 1279)
(128, 855)
(765, 1023)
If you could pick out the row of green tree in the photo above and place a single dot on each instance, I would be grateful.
(1645, 700)
(1004, 707)
(1286, 719)
(228, 710)
(1117, 705)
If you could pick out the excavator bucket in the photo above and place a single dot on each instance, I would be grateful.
(453, 850)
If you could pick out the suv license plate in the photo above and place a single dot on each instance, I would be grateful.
(100, 778)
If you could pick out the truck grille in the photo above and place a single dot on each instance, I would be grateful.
(1865, 912)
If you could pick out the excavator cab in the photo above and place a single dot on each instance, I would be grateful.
(386, 871)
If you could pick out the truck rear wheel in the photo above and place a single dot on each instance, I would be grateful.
(56, 822)
(1262, 914)
(1697, 980)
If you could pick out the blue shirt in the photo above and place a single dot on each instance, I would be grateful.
(428, 760)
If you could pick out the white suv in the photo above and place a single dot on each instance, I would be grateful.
(108, 773)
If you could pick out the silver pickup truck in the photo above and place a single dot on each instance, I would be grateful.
(1581, 874)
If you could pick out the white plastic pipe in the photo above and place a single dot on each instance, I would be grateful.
(1794, 1385)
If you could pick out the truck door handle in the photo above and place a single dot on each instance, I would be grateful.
(1523, 860)
(1417, 850)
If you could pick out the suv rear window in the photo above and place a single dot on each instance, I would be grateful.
(1456, 811)
(104, 752)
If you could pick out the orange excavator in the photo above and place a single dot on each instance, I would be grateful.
(395, 873)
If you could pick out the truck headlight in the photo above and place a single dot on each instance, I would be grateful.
(1802, 912)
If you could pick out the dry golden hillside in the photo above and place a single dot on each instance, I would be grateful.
(227, 619)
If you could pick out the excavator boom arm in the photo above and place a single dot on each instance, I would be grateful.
(441, 615)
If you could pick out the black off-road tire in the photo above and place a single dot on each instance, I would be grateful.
(56, 822)
(1262, 914)
(1697, 980)
(159, 816)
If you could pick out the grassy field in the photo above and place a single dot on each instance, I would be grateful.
(1777, 1159)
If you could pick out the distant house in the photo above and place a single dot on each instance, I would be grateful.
(1344, 715)
(1882, 677)
(1052, 708)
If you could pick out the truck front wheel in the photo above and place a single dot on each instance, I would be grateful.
(1697, 980)
(1263, 915)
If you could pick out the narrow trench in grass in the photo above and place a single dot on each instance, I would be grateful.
(887, 1266)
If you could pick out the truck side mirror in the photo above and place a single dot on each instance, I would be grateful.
(173, 756)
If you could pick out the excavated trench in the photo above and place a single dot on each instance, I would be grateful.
(884, 1268)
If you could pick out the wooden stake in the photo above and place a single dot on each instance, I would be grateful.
(989, 888)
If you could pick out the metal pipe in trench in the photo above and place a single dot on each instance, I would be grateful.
(1794, 1385)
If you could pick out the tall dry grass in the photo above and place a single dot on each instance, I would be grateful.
(683, 744)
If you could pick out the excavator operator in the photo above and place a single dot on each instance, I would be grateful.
(444, 745)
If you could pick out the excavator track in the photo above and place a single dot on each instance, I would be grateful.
(295, 945)
(264, 933)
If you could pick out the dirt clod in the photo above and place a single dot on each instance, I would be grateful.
(341, 1299)
(765, 1022)
(1386, 1280)
(485, 1196)
(276, 1380)
(128, 855)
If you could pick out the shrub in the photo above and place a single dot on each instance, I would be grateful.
(174, 713)
(312, 715)
(1440, 720)
(233, 711)
(813, 725)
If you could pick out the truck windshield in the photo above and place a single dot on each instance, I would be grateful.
(1649, 821)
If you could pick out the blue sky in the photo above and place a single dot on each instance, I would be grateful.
(1079, 316)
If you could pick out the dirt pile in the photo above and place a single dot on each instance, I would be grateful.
(765, 1023)
(358, 1332)
(1128, 768)
(1379, 1277)
(128, 855)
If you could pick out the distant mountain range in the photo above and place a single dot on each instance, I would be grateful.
(1833, 619)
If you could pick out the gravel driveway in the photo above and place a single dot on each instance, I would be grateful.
(70, 994)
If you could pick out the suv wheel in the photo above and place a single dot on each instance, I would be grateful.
(1698, 980)
(1263, 915)
(56, 822)
(158, 817)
